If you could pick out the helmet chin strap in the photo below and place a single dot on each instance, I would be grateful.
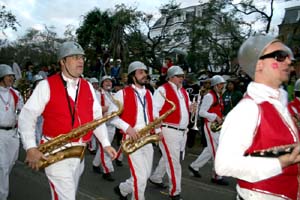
(69, 71)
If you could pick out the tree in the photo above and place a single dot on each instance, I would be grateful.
(247, 7)
(7, 20)
(215, 37)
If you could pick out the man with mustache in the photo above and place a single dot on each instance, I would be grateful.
(137, 113)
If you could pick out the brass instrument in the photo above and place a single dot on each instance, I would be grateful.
(274, 151)
(194, 117)
(129, 146)
(50, 146)
(215, 126)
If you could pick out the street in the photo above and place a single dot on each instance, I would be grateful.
(26, 184)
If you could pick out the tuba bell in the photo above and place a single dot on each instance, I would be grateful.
(60, 141)
(129, 146)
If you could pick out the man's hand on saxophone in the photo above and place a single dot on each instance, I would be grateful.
(133, 134)
(33, 156)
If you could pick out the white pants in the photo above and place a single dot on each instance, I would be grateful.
(159, 172)
(212, 139)
(101, 156)
(9, 149)
(172, 144)
(140, 164)
(202, 159)
(64, 177)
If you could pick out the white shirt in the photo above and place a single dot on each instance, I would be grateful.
(237, 134)
(8, 114)
(140, 123)
(36, 105)
(205, 105)
(159, 101)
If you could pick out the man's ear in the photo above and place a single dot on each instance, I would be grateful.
(259, 65)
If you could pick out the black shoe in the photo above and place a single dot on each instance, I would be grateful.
(119, 163)
(195, 173)
(118, 192)
(176, 197)
(97, 170)
(159, 185)
(108, 177)
(219, 181)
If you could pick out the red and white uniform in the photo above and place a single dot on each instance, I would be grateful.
(140, 162)
(174, 129)
(294, 108)
(50, 99)
(259, 121)
(101, 156)
(10, 102)
(211, 107)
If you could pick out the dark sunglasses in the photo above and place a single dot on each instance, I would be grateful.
(279, 55)
(179, 76)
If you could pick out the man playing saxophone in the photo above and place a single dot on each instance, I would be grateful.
(174, 129)
(137, 114)
(66, 101)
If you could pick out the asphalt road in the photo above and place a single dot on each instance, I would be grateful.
(26, 184)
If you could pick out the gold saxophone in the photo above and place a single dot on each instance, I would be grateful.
(129, 146)
(215, 126)
(75, 151)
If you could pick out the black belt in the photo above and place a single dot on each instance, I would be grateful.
(172, 127)
(7, 128)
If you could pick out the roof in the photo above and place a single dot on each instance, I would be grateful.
(292, 15)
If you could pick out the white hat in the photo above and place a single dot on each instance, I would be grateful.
(105, 78)
(68, 49)
(5, 70)
(174, 70)
(93, 80)
(136, 65)
(37, 77)
(297, 86)
(217, 79)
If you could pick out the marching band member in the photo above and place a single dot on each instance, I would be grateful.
(174, 129)
(11, 103)
(137, 113)
(66, 101)
(101, 156)
(260, 121)
(211, 110)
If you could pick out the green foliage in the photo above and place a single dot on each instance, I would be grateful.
(7, 20)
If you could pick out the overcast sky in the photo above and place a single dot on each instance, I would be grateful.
(60, 13)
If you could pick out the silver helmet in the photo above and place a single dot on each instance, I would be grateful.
(68, 49)
(93, 80)
(251, 50)
(297, 85)
(136, 65)
(105, 78)
(5, 70)
(290, 52)
(37, 77)
(217, 79)
(174, 70)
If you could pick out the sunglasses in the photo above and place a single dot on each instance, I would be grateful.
(279, 55)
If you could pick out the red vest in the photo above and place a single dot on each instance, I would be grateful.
(173, 118)
(130, 105)
(294, 104)
(273, 131)
(15, 96)
(217, 106)
(57, 116)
